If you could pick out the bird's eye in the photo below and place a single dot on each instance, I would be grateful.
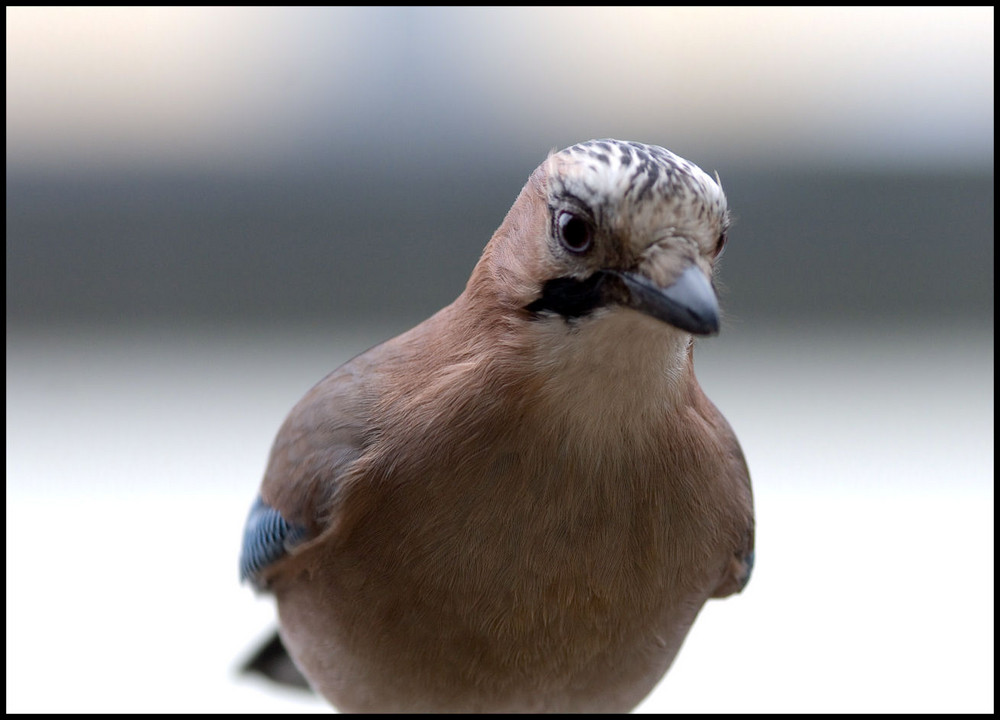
(720, 245)
(575, 233)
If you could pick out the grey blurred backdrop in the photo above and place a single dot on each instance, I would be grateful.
(338, 164)
(208, 209)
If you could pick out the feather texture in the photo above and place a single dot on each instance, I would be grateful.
(516, 506)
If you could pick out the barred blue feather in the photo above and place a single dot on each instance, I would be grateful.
(266, 538)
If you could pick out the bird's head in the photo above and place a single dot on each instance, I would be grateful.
(607, 224)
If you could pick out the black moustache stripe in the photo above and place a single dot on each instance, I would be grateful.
(570, 297)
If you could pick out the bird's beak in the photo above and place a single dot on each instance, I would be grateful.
(688, 303)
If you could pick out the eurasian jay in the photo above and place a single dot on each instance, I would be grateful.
(522, 503)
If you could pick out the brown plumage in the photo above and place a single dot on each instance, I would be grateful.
(522, 503)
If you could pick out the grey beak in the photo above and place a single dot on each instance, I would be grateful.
(689, 303)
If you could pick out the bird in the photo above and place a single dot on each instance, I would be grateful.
(522, 503)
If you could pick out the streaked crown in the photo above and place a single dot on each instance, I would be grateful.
(646, 187)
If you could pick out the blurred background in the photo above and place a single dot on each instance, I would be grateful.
(209, 209)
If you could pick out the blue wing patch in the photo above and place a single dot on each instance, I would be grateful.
(266, 538)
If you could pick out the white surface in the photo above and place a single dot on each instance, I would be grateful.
(132, 459)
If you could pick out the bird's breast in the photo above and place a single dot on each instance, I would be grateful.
(489, 539)
(513, 564)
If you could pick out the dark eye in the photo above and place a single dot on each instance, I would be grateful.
(720, 245)
(575, 233)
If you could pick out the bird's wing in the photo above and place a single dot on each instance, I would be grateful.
(321, 438)
(267, 537)
(737, 484)
(726, 487)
